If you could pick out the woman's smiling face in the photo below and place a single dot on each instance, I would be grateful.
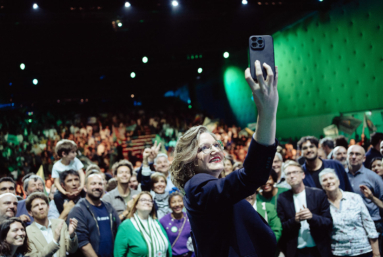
(211, 162)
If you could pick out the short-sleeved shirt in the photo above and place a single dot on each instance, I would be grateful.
(58, 167)
(106, 238)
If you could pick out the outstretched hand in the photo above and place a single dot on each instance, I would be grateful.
(264, 91)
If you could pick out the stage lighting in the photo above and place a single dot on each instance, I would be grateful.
(35, 81)
(200, 70)
(22, 66)
(119, 24)
(127, 4)
(244, 2)
(145, 59)
(226, 54)
(132, 75)
(132, 95)
(175, 3)
(190, 106)
(35, 6)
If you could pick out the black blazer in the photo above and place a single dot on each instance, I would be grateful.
(320, 224)
(222, 222)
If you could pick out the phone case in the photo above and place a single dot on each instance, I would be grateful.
(261, 48)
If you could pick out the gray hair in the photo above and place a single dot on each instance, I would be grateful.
(34, 178)
(161, 155)
(279, 156)
(327, 171)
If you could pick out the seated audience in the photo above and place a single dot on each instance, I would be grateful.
(340, 154)
(48, 237)
(228, 165)
(95, 218)
(32, 184)
(157, 183)
(66, 150)
(133, 237)
(122, 194)
(376, 166)
(270, 193)
(8, 206)
(268, 212)
(353, 232)
(374, 151)
(70, 182)
(305, 215)
(313, 165)
(177, 227)
(13, 238)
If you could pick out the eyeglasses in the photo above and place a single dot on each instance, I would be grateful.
(146, 201)
(207, 148)
(295, 172)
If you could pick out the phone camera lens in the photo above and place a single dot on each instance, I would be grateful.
(254, 44)
(254, 39)
(260, 41)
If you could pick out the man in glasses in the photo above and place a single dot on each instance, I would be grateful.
(305, 215)
(314, 165)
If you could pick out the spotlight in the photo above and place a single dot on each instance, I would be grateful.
(190, 106)
(35, 6)
(132, 95)
(145, 59)
(35, 81)
(119, 24)
(132, 75)
(226, 55)
(127, 4)
(244, 2)
(22, 66)
(200, 70)
(175, 3)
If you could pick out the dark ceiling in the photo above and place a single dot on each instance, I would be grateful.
(75, 51)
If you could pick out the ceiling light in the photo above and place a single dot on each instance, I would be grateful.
(175, 3)
(127, 4)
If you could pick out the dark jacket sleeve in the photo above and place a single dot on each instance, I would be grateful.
(82, 230)
(139, 172)
(116, 221)
(289, 226)
(146, 183)
(205, 192)
(342, 172)
(322, 220)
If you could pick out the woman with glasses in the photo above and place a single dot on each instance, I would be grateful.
(223, 223)
(141, 234)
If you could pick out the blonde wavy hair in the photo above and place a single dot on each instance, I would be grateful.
(183, 168)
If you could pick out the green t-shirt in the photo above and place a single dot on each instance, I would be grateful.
(272, 200)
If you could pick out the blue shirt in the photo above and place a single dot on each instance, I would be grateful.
(106, 239)
(374, 182)
(22, 210)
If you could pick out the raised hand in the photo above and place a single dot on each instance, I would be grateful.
(24, 218)
(72, 227)
(57, 233)
(145, 156)
(366, 191)
(154, 151)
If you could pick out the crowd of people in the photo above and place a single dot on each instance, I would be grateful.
(322, 197)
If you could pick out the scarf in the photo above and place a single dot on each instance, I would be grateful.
(162, 204)
(154, 237)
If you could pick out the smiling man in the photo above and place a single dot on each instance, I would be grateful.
(8, 206)
(314, 165)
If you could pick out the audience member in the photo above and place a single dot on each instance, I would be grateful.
(7, 185)
(8, 206)
(268, 212)
(361, 176)
(270, 193)
(228, 165)
(353, 232)
(327, 145)
(66, 150)
(112, 184)
(177, 227)
(277, 167)
(305, 215)
(133, 183)
(95, 218)
(376, 166)
(49, 237)
(133, 237)
(341, 141)
(340, 155)
(13, 238)
(32, 184)
(157, 183)
(70, 182)
(122, 194)
(376, 140)
(313, 165)
(381, 148)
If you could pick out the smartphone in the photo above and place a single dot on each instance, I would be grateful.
(261, 48)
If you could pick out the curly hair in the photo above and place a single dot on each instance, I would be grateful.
(182, 168)
(120, 164)
(5, 248)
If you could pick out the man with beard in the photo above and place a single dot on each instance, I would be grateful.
(314, 165)
(8, 206)
(48, 237)
(340, 154)
(95, 218)
(31, 184)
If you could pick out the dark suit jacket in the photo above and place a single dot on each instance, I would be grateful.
(223, 223)
(320, 224)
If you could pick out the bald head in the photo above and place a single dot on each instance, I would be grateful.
(356, 155)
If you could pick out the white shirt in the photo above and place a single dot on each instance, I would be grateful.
(304, 237)
(47, 233)
(58, 167)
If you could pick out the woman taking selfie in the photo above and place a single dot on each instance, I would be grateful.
(141, 235)
(177, 226)
(13, 238)
(223, 223)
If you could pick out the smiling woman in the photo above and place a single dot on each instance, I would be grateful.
(13, 238)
